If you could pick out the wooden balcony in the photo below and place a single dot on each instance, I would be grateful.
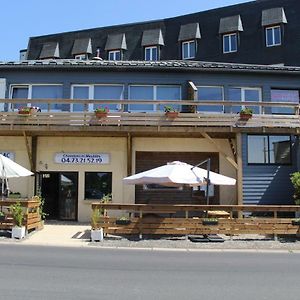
(154, 122)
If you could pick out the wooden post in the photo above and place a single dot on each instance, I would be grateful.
(129, 154)
(29, 151)
(239, 171)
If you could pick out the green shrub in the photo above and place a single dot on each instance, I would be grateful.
(17, 214)
(295, 179)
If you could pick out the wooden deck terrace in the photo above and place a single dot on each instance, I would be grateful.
(154, 122)
(147, 223)
(32, 219)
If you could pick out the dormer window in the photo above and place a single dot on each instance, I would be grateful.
(114, 55)
(188, 36)
(273, 20)
(81, 56)
(230, 43)
(189, 49)
(82, 48)
(115, 45)
(273, 36)
(229, 28)
(152, 41)
(151, 53)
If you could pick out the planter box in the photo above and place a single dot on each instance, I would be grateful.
(123, 222)
(97, 235)
(296, 222)
(24, 113)
(245, 117)
(101, 114)
(172, 114)
(210, 222)
(18, 232)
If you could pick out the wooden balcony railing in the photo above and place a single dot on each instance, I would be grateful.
(71, 121)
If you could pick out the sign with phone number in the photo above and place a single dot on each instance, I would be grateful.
(82, 158)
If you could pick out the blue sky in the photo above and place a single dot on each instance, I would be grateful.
(22, 19)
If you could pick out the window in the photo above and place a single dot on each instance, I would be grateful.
(189, 49)
(39, 92)
(273, 36)
(210, 93)
(288, 96)
(97, 185)
(97, 92)
(241, 94)
(153, 92)
(151, 53)
(114, 55)
(81, 56)
(269, 149)
(229, 43)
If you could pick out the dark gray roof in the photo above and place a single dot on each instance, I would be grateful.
(116, 41)
(170, 65)
(231, 24)
(152, 37)
(189, 32)
(50, 50)
(82, 46)
(273, 16)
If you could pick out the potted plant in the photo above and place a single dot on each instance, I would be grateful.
(96, 232)
(210, 221)
(18, 231)
(2, 216)
(246, 113)
(101, 112)
(24, 111)
(296, 222)
(170, 112)
(123, 221)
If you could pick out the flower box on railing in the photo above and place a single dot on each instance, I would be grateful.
(101, 112)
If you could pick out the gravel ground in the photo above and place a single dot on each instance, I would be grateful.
(253, 242)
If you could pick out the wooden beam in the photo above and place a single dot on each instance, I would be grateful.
(229, 159)
(29, 153)
(239, 170)
(232, 149)
(129, 154)
(34, 152)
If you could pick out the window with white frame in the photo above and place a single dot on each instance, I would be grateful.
(188, 49)
(273, 36)
(153, 92)
(151, 53)
(210, 93)
(39, 91)
(242, 94)
(230, 43)
(114, 55)
(97, 92)
(81, 56)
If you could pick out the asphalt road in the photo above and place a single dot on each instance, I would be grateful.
(28, 272)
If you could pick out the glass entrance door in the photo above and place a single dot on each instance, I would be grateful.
(68, 183)
(60, 193)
